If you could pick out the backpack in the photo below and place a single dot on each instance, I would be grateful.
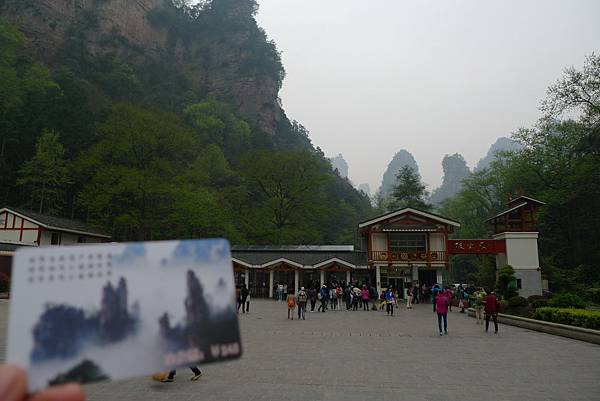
(302, 297)
(291, 303)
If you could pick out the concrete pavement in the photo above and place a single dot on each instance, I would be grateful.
(341, 355)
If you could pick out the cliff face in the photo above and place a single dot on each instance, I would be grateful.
(455, 172)
(401, 159)
(125, 28)
(45, 22)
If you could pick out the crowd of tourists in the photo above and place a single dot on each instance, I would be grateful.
(354, 296)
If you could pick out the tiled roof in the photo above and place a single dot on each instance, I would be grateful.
(59, 223)
(304, 257)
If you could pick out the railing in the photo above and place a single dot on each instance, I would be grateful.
(401, 256)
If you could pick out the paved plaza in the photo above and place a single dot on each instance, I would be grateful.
(370, 356)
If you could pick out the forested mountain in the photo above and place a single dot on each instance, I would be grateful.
(153, 120)
(400, 159)
(455, 172)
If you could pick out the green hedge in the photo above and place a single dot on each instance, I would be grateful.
(567, 300)
(573, 317)
(517, 301)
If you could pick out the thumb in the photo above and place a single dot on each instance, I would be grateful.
(13, 383)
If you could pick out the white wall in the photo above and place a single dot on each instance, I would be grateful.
(437, 242)
(380, 242)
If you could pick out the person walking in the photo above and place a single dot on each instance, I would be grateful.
(463, 303)
(243, 297)
(374, 297)
(333, 297)
(291, 304)
(323, 296)
(441, 307)
(356, 297)
(348, 297)
(302, 299)
(492, 307)
(365, 297)
(390, 301)
(171, 377)
(248, 303)
(479, 295)
(238, 297)
(409, 298)
(312, 295)
(416, 293)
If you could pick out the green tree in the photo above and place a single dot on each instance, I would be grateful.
(130, 173)
(505, 283)
(46, 175)
(285, 187)
(214, 123)
(409, 191)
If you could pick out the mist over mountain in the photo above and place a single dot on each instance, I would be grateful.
(455, 171)
(400, 159)
(365, 187)
(501, 145)
(338, 163)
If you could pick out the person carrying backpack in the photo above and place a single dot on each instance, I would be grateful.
(302, 299)
(291, 304)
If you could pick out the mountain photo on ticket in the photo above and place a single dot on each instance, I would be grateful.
(112, 311)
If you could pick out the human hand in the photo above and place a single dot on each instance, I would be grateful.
(13, 387)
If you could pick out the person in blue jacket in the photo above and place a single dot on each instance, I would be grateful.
(390, 301)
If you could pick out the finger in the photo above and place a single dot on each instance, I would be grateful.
(68, 392)
(13, 383)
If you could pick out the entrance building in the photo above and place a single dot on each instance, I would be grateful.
(261, 268)
(407, 247)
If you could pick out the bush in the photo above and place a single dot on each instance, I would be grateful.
(593, 294)
(567, 300)
(573, 317)
(516, 302)
(539, 303)
(532, 298)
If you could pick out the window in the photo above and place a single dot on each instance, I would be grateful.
(519, 284)
(400, 242)
(55, 240)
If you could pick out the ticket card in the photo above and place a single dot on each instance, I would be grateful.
(111, 311)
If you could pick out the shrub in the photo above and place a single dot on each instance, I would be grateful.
(573, 317)
(517, 301)
(532, 298)
(593, 294)
(567, 300)
(539, 303)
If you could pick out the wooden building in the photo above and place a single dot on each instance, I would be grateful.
(406, 247)
(20, 227)
(397, 249)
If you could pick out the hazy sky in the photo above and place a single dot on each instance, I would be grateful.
(371, 77)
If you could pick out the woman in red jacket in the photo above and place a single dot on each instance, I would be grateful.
(492, 306)
(441, 307)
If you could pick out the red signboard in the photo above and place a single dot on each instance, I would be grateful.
(475, 246)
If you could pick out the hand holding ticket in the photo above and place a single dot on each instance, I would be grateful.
(89, 313)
